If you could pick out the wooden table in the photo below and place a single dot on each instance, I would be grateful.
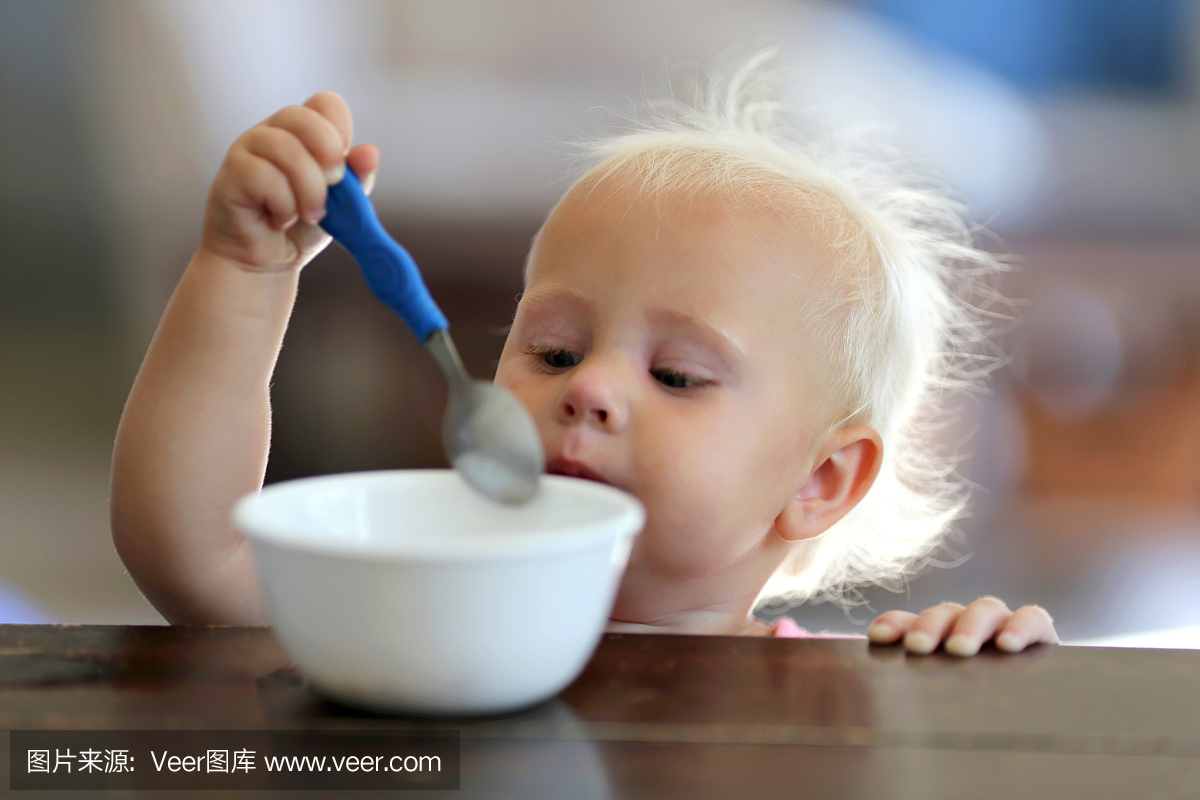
(676, 716)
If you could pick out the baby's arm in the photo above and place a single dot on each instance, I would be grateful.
(961, 631)
(195, 431)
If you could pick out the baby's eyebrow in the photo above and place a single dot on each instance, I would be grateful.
(708, 334)
(554, 298)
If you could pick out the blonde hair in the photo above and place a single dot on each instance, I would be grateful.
(900, 319)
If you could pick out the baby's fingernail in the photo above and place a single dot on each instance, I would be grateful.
(881, 631)
(961, 646)
(919, 642)
(335, 175)
(1008, 642)
(314, 215)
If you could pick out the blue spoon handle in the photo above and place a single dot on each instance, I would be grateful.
(390, 271)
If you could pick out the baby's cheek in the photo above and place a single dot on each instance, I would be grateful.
(535, 395)
(699, 479)
(506, 371)
(695, 524)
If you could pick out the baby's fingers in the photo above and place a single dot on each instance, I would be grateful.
(307, 147)
(256, 182)
(979, 623)
(364, 160)
(287, 154)
(1028, 625)
(921, 634)
(930, 628)
(890, 627)
(334, 109)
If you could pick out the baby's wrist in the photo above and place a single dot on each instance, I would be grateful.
(219, 260)
(224, 284)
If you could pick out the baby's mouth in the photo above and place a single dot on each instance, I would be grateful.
(574, 469)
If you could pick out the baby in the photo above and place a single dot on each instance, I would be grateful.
(740, 331)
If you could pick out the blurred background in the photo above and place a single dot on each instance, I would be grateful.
(1071, 129)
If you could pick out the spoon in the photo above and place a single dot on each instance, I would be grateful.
(488, 435)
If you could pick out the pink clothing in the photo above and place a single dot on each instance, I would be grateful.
(786, 628)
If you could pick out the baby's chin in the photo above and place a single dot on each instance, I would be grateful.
(623, 626)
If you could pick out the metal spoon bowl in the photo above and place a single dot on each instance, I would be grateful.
(488, 435)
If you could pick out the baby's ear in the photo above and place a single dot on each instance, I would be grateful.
(851, 461)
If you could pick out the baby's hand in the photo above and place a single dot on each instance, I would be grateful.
(962, 631)
(270, 192)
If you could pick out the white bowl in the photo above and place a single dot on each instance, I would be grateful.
(407, 591)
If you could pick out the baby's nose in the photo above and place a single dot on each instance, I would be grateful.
(593, 396)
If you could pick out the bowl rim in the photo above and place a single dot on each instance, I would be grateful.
(630, 515)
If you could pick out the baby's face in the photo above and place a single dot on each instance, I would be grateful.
(658, 347)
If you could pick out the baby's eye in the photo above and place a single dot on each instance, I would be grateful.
(561, 359)
(556, 357)
(675, 379)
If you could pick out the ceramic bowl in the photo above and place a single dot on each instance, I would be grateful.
(405, 591)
